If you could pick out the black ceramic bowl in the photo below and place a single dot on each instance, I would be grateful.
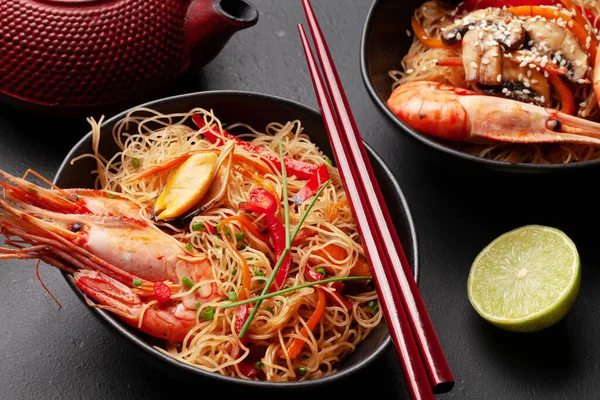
(384, 43)
(256, 110)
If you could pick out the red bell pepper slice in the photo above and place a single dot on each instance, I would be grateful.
(337, 296)
(162, 293)
(241, 315)
(302, 235)
(300, 169)
(313, 185)
(247, 368)
(276, 232)
(262, 198)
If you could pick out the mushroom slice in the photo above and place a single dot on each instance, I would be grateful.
(521, 83)
(497, 25)
(482, 60)
(559, 45)
(189, 184)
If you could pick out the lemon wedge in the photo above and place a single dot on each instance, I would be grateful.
(186, 186)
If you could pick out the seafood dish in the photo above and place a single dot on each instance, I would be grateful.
(232, 247)
(507, 80)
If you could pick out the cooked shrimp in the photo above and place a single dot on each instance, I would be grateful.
(459, 114)
(115, 259)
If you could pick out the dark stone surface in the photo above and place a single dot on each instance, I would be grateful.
(65, 353)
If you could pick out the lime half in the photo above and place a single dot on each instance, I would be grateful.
(526, 279)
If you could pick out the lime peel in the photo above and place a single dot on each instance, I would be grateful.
(534, 269)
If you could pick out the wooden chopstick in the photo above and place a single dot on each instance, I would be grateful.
(433, 357)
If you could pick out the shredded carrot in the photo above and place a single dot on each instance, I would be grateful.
(248, 225)
(240, 158)
(578, 15)
(567, 100)
(336, 253)
(551, 14)
(37, 273)
(297, 344)
(159, 168)
(424, 37)
(246, 278)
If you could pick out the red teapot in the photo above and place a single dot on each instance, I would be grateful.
(84, 54)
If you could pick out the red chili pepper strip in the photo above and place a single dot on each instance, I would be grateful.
(566, 96)
(162, 292)
(302, 235)
(241, 315)
(313, 185)
(337, 296)
(247, 368)
(300, 169)
(262, 198)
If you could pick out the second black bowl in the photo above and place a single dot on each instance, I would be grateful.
(384, 44)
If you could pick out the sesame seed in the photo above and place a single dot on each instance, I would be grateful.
(499, 78)
(546, 74)
(527, 84)
(458, 36)
(583, 104)
(473, 64)
(408, 33)
(480, 35)
(571, 24)
(528, 73)
(543, 99)
(485, 61)
(526, 91)
(410, 71)
(534, 81)
(581, 81)
(504, 90)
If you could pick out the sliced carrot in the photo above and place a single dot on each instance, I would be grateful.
(424, 38)
(578, 15)
(551, 14)
(566, 96)
(248, 225)
(297, 344)
(336, 253)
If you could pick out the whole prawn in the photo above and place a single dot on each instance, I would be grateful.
(115, 255)
(453, 113)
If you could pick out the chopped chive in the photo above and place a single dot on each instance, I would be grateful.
(259, 365)
(328, 161)
(135, 162)
(375, 309)
(137, 282)
(111, 196)
(302, 371)
(240, 236)
(201, 315)
(242, 246)
(187, 282)
(270, 309)
(198, 305)
(232, 296)
(189, 247)
(372, 303)
(208, 313)
(224, 126)
(258, 272)
(322, 271)
(218, 227)
(198, 226)
(234, 271)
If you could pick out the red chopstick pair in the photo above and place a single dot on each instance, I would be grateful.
(420, 353)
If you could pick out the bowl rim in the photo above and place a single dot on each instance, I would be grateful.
(424, 139)
(142, 345)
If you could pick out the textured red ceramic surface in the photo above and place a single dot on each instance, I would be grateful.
(79, 53)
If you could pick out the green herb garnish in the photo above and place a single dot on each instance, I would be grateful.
(302, 371)
(189, 247)
(234, 271)
(187, 282)
(198, 305)
(111, 196)
(208, 313)
(322, 271)
(240, 236)
(232, 296)
(137, 282)
(135, 162)
(198, 226)
(259, 365)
